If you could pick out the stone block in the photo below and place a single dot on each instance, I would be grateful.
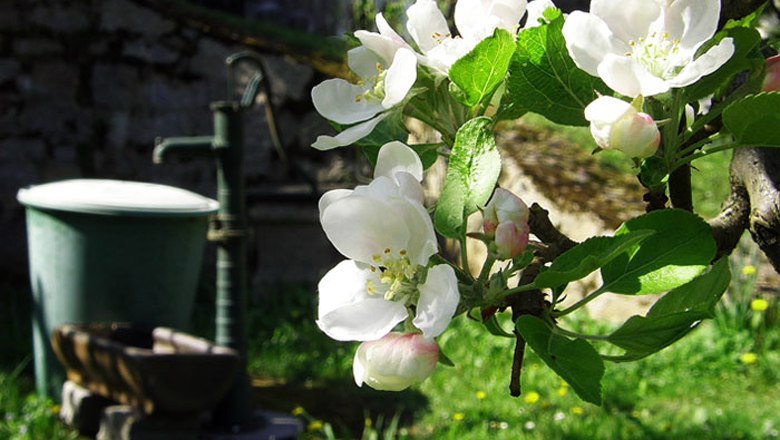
(150, 52)
(61, 18)
(115, 85)
(55, 80)
(81, 409)
(125, 15)
(35, 46)
(122, 422)
(8, 69)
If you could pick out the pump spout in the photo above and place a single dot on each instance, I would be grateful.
(188, 146)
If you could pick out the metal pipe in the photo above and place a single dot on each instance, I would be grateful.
(231, 236)
(163, 147)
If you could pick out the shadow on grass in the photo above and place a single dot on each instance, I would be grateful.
(296, 365)
(340, 403)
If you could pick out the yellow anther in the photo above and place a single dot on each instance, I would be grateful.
(376, 258)
(387, 250)
(402, 252)
(358, 98)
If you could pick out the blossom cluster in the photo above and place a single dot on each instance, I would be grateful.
(387, 235)
(392, 292)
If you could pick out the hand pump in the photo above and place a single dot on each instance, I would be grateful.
(229, 229)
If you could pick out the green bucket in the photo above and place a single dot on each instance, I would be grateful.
(110, 251)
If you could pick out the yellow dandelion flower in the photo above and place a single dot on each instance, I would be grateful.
(748, 358)
(315, 425)
(562, 391)
(749, 270)
(759, 304)
(531, 397)
(481, 395)
(458, 416)
(577, 411)
(298, 410)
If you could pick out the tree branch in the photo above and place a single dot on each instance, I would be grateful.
(753, 203)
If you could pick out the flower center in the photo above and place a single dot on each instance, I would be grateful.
(439, 38)
(373, 86)
(396, 276)
(657, 53)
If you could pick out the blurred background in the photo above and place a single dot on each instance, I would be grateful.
(87, 85)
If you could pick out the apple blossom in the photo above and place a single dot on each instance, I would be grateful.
(772, 80)
(505, 220)
(646, 47)
(387, 234)
(616, 124)
(395, 361)
(474, 19)
(384, 83)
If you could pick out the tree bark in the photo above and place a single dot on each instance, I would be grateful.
(753, 204)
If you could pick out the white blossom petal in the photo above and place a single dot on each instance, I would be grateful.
(625, 76)
(422, 238)
(536, 10)
(395, 362)
(348, 136)
(363, 321)
(346, 312)
(630, 19)
(361, 227)
(707, 63)
(331, 196)
(363, 61)
(335, 99)
(410, 187)
(400, 77)
(589, 40)
(395, 157)
(438, 301)
(426, 24)
(384, 47)
(343, 285)
(692, 21)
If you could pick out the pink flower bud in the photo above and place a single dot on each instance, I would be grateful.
(772, 80)
(511, 239)
(395, 362)
(616, 124)
(503, 207)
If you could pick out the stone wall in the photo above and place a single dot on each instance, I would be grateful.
(87, 85)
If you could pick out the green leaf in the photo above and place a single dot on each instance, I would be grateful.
(641, 336)
(672, 316)
(680, 250)
(479, 72)
(544, 79)
(750, 21)
(494, 327)
(754, 119)
(472, 174)
(586, 257)
(574, 360)
(702, 294)
(445, 360)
